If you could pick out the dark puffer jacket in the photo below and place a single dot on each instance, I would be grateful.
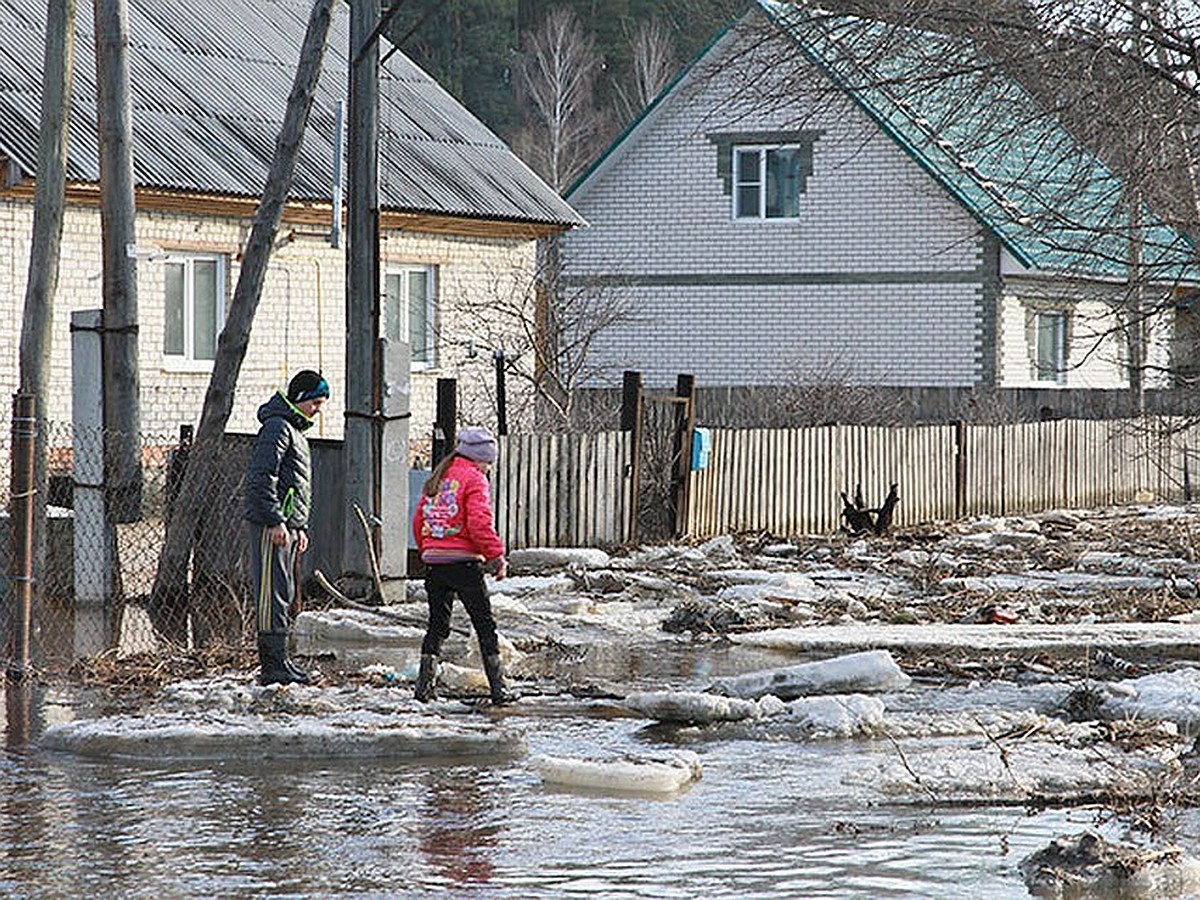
(279, 477)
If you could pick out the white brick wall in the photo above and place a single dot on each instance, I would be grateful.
(300, 320)
(869, 209)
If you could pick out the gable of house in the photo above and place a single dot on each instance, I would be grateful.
(880, 277)
(921, 203)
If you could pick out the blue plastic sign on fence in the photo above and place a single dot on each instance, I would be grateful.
(701, 448)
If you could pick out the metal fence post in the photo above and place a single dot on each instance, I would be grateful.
(21, 507)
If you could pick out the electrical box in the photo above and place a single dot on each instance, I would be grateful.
(701, 448)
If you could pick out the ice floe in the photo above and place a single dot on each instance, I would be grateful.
(869, 670)
(658, 773)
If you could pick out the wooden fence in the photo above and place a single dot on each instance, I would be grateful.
(789, 481)
(564, 490)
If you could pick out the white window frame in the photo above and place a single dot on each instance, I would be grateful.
(186, 360)
(1050, 325)
(404, 275)
(760, 184)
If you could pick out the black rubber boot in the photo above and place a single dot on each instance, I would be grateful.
(494, 670)
(426, 678)
(275, 667)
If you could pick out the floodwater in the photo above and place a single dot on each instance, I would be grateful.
(769, 818)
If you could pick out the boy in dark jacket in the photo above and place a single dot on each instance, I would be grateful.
(278, 498)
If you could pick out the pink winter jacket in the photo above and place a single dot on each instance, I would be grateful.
(456, 524)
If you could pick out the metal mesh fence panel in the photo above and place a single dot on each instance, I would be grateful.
(96, 558)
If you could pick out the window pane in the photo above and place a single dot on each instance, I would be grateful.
(173, 328)
(747, 202)
(783, 183)
(204, 323)
(418, 316)
(747, 166)
(1051, 347)
(391, 307)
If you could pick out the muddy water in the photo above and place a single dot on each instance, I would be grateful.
(769, 818)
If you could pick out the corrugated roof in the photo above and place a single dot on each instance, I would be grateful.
(210, 83)
(1051, 201)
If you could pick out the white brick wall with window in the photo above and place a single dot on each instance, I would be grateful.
(300, 321)
(880, 273)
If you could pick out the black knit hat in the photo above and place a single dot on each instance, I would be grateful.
(307, 385)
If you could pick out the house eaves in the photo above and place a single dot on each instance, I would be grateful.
(1021, 174)
(209, 86)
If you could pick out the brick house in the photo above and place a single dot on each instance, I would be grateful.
(460, 215)
(805, 202)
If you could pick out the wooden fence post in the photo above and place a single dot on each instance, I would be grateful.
(685, 422)
(960, 469)
(631, 421)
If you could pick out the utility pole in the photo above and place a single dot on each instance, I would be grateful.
(360, 462)
(122, 417)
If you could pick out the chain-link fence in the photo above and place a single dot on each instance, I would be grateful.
(97, 589)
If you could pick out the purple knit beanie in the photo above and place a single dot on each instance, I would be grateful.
(476, 443)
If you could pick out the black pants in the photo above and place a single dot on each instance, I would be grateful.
(442, 582)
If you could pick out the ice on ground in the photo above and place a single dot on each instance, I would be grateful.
(314, 628)
(698, 708)
(994, 770)
(234, 736)
(869, 671)
(659, 773)
(1171, 696)
(849, 715)
(524, 585)
(230, 717)
(541, 559)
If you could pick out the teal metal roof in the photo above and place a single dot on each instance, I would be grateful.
(1053, 204)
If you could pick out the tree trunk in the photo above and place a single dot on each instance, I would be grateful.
(48, 203)
(169, 599)
(122, 419)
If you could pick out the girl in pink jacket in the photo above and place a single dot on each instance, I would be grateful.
(456, 537)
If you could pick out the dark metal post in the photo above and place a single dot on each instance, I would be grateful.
(21, 506)
(501, 394)
(446, 418)
(960, 469)
(685, 423)
(631, 421)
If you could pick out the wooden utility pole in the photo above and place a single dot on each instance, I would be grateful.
(360, 449)
(122, 416)
(48, 203)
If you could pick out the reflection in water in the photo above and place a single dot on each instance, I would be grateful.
(457, 830)
(769, 819)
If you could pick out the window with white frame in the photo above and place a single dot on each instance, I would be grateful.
(768, 181)
(409, 311)
(194, 305)
(1050, 346)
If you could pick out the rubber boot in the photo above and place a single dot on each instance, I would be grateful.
(273, 662)
(494, 670)
(426, 678)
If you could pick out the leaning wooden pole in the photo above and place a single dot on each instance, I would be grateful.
(21, 509)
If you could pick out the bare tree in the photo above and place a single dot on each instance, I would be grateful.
(559, 79)
(548, 331)
(169, 604)
(49, 203)
(653, 66)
